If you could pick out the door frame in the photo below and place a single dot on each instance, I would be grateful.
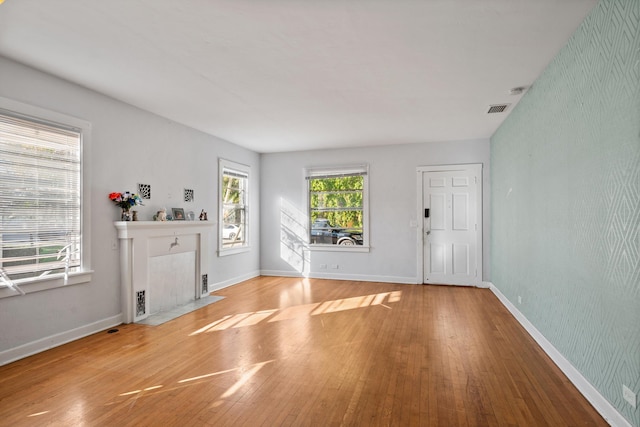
(420, 171)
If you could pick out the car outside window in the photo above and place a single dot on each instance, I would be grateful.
(338, 206)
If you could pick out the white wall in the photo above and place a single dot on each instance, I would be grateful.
(129, 146)
(393, 204)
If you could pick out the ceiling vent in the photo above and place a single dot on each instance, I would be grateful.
(497, 108)
(518, 90)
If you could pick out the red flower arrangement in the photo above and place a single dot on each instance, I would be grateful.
(125, 200)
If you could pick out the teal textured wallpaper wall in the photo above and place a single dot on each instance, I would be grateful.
(565, 186)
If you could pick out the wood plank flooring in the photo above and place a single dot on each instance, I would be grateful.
(303, 352)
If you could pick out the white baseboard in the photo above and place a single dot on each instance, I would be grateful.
(56, 340)
(342, 276)
(602, 405)
(283, 273)
(226, 283)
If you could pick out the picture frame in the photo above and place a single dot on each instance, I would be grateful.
(178, 214)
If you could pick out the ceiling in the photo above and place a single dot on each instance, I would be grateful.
(287, 75)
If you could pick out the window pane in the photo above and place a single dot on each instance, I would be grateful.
(39, 198)
(336, 210)
(233, 224)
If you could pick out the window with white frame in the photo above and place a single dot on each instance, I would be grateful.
(338, 207)
(41, 191)
(234, 199)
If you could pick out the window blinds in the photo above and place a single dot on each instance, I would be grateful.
(324, 173)
(39, 196)
(235, 174)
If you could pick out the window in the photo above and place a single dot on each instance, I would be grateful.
(338, 207)
(234, 197)
(40, 197)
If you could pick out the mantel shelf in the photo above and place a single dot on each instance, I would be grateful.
(131, 229)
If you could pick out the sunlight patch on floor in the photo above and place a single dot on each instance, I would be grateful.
(247, 373)
(212, 374)
(301, 310)
(243, 379)
(129, 393)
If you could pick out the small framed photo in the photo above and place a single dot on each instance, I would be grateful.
(178, 214)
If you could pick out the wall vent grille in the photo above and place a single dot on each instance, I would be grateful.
(499, 108)
(144, 190)
(205, 284)
(140, 303)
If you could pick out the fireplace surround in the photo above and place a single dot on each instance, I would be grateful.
(148, 247)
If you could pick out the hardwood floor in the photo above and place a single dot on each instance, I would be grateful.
(302, 352)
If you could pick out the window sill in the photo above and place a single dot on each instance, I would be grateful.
(338, 248)
(30, 286)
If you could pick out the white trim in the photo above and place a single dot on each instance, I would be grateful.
(36, 284)
(420, 170)
(140, 241)
(338, 248)
(283, 273)
(244, 170)
(234, 281)
(363, 168)
(52, 281)
(312, 171)
(59, 339)
(341, 276)
(602, 405)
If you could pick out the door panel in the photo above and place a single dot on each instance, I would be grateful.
(437, 182)
(460, 211)
(460, 259)
(437, 211)
(460, 181)
(438, 258)
(451, 233)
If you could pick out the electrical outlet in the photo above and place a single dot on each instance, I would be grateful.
(335, 266)
(323, 266)
(519, 299)
(114, 244)
(629, 396)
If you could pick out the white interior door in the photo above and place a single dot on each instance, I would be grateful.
(452, 225)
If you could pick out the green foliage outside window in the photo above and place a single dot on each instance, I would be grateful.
(338, 199)
(233, 189)
(234, 205)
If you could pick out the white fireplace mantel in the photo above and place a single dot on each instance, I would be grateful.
(142, 240)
